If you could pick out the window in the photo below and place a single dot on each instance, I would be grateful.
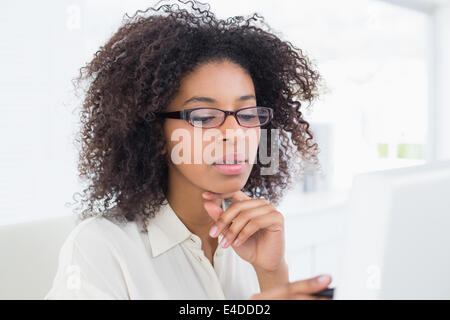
(372, 113)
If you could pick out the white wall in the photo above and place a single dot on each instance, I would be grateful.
(442, 79)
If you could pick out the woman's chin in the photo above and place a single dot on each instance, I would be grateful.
(227, 184)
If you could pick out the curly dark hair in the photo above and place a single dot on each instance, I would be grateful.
(136, 73)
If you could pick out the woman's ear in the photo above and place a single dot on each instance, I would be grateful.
(163, 149)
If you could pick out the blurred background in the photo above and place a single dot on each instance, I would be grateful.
(385, 103)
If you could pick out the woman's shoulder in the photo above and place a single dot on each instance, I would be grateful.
(100, 232)
(91, 254)
(95, 227)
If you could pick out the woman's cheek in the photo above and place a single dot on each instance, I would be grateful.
(180, 141)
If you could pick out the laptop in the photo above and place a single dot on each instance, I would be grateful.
(397, 235)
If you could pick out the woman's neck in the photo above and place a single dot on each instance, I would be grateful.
(187, 202)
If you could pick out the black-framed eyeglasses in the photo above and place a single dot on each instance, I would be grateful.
(209, 117)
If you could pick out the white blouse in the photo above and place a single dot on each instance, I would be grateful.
(103, 259)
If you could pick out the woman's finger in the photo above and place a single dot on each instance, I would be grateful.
(281, 293)
(306, 297)
(213, 210)
(310, 286)
(226, 217)
(298, 290)
(241, 220)
(273, 219)
(285, 296)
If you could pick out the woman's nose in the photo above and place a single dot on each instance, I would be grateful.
(231, 130)
(230, 123)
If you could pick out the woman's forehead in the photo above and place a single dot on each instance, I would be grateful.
(213, 84)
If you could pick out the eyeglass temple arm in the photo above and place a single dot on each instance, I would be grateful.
(173, 115)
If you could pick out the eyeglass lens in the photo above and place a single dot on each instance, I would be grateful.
(209, 118)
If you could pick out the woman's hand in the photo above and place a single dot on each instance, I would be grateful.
(255, 224)
(298, 290)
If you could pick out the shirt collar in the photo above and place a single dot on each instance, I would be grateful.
(165, 230)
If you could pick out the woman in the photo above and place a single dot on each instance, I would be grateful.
(158, 89)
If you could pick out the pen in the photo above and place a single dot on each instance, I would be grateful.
(328, 292)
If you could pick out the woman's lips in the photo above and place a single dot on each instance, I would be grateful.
(232, 163)
(230, 169)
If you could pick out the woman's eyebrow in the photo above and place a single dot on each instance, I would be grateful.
(211, 100)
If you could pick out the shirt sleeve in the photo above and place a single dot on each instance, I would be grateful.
(88, 268)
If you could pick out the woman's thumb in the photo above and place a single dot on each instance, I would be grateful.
(213, 210)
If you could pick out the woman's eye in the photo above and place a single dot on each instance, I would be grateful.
(203, 119)
(247, 116)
